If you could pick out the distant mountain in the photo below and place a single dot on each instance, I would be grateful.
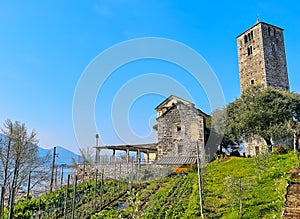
(64, 156)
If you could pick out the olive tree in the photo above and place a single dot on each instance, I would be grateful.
(267, 112)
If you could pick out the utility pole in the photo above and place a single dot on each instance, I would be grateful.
(52, 169)
(62, 174)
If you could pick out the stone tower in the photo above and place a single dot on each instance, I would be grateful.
(261, 57)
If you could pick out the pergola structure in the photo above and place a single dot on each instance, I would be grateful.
(138, 148)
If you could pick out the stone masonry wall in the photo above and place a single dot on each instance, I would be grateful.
(131, 171)
(262, 58)
(275, 57)
(175, 130)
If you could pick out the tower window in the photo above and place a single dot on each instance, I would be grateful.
(249, 50)
(246, 38)
(274, 32)
(252, 81)
(269, 31)
(178, 128)
(274, 47)
(250, 35)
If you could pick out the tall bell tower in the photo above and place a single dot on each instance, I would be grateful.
(261, 57)
(262, 61)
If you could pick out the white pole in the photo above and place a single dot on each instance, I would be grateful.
(199, 180)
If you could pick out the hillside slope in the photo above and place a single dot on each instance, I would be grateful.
(231, 187)
(225, 182)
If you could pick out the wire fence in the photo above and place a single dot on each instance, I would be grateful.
(91, 189)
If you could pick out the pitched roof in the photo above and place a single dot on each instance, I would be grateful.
(180, 101)
(172, 97)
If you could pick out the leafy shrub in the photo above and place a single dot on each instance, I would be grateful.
(281, 150)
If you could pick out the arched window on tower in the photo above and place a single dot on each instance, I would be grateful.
(269, 31)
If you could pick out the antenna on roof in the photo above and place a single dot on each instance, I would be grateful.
(257, 19)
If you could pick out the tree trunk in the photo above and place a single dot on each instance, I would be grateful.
(15, 178)
(295, 141)
(3, 191)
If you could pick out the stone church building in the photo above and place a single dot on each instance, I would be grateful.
(262, 61)
(180, 131)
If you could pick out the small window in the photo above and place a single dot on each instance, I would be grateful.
(269, 31)
(178, 128)
(249, 50)
(274, 47)
(245, 38)
(180, 149)
(252, 81)
(251, 34)
(274, 30)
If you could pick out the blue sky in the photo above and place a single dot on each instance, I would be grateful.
(45, 47)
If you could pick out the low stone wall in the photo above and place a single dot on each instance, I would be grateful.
(124, 171)
(292, 197)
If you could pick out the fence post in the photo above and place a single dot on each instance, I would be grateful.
(66, 197)
(131, 175)
(74, 195)
(137, 173)
(52, 169)
(101, 189)
(95, 189)
(115, 170)
(127, 172)
(119, 178)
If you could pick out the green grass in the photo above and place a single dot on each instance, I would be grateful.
(179, 197)
(262, 198)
